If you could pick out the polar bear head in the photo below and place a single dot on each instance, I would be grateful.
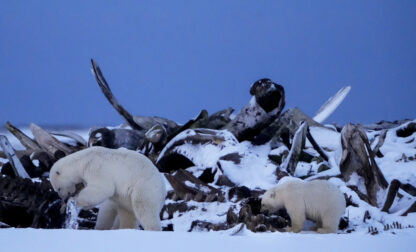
(64, 187)
(271, 201)
(63, 181)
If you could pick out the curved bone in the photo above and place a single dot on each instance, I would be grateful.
(136, 122)
(48, 142)
(77, 138)
(25, 140)
(289, 164)
(175, 155)
(105, 88)
(329, 106)
(17, 166)
(358, 166)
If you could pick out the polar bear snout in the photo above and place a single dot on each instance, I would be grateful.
(66, 193)
(270, 203)
(73, 191)
(264, 211)
(268, 209)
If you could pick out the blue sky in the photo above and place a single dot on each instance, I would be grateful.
(174, 58)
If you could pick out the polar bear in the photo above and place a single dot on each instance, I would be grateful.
(128, 185)
(317, 200)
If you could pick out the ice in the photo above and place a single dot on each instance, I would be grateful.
(72, 212)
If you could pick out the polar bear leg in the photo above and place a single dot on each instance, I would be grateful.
(94, 194)
(297, 216)
(116, 224)
(147, 210)
(106, 215)
(149, 218)
(127, 219)
(329, 225)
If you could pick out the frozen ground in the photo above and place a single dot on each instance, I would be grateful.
(254, 171)
(134, 240)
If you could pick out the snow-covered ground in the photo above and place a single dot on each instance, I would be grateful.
(254, 171)
(135, 240)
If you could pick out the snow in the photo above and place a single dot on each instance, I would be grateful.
(305, 169)
(203, 155)
(357, 181)
(328, 138)
(279, 151)
(213, 212)
(135, 240)
(255, 170)
(396, 163)
(201, 188)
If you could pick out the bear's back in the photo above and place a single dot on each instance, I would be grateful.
(289, 184)
(119, 160)
(325, 196)
(313, 192)
(112, 161)
(323, 187)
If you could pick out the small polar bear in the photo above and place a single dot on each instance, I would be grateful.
(127, 183)
(317, 200)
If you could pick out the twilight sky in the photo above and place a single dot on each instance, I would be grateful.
(174, 58)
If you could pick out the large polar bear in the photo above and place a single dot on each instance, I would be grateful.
(317, 200)
(127, 183)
